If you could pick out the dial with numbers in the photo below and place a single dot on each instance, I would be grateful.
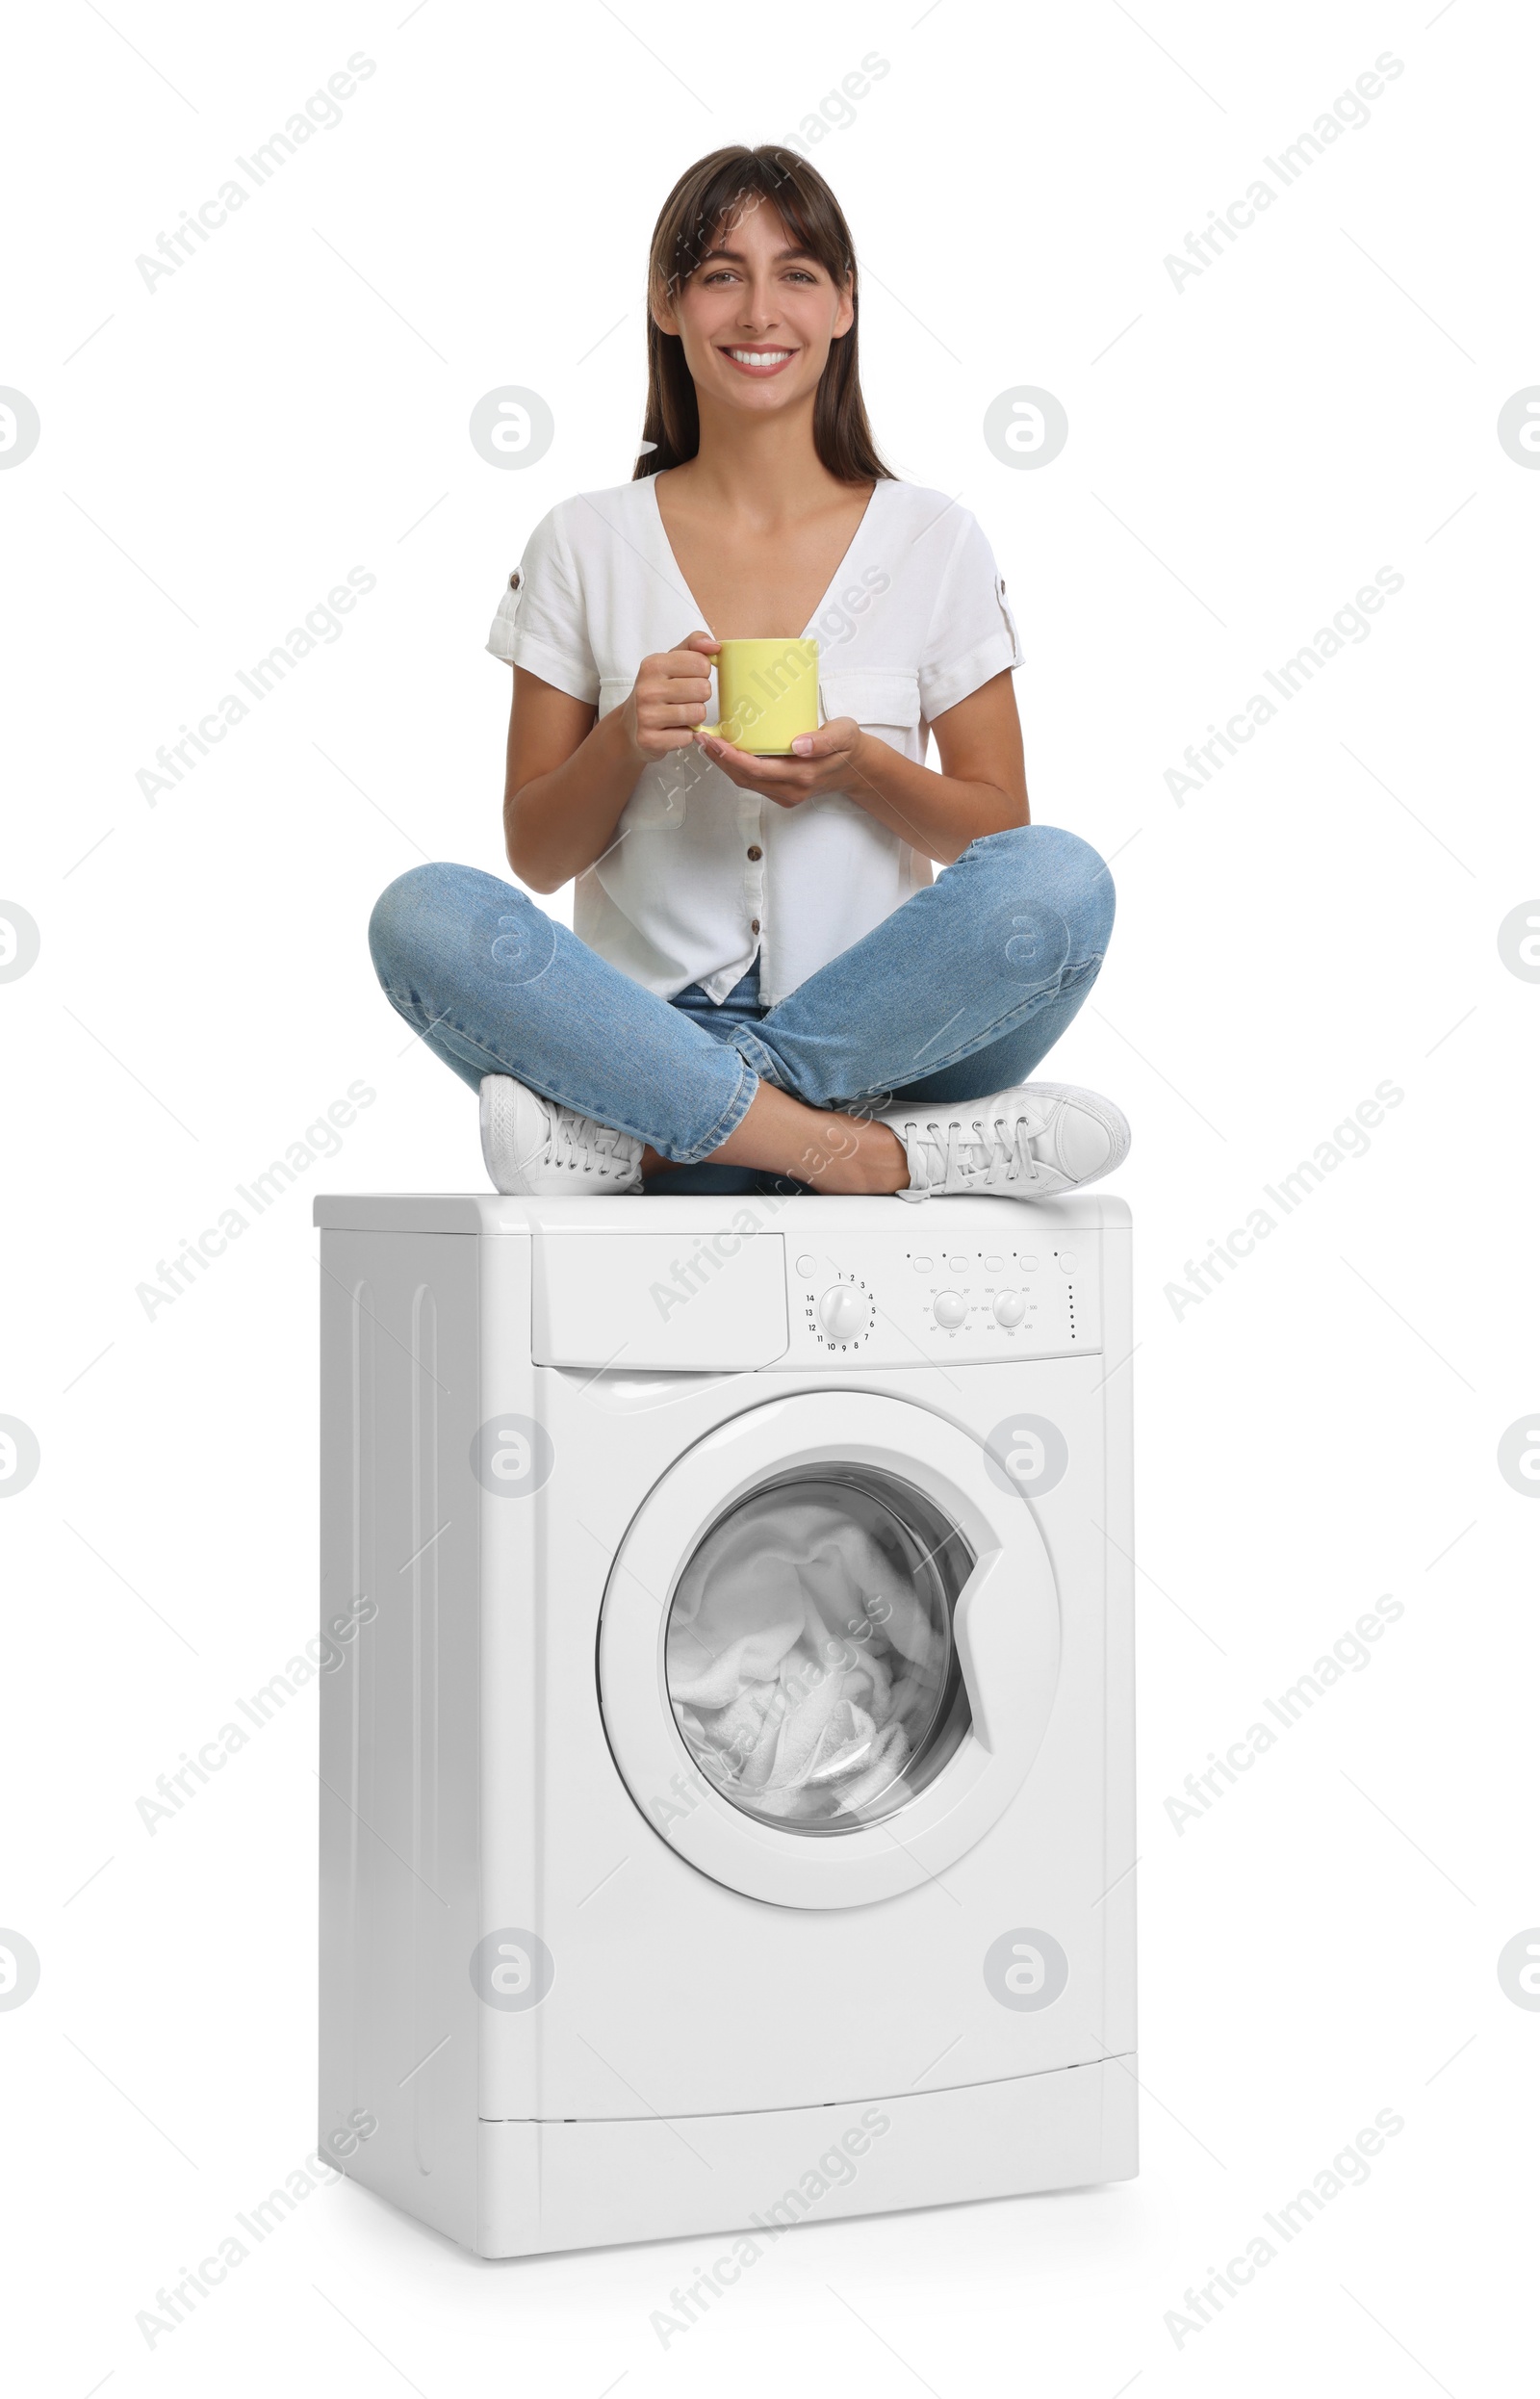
(841, 1316)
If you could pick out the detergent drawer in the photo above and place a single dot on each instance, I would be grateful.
(659, 1301)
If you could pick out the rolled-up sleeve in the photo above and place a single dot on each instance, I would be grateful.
(541, 622)
(972, 634)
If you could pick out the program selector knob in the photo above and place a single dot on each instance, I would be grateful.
(842, 1312)
(950, 1309)
(1009, 1307)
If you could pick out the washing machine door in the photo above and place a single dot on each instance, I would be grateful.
(827, 1650)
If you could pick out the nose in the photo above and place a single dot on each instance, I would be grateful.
(758, 312)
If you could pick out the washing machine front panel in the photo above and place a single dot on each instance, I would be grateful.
(743, 1296)
(829, 1649)
(675, 1990)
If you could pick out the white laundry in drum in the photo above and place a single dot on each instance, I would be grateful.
(809, 1656)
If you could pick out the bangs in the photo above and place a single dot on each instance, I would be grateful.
(738, 183)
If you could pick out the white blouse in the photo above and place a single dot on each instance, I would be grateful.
(701, 877)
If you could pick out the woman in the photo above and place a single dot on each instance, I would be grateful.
(765, 980)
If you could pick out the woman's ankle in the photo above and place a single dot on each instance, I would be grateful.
(851, 1156)
(831, 1153)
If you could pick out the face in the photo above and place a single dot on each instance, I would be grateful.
(757, 314)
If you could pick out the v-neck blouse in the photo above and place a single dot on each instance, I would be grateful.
(701, 877)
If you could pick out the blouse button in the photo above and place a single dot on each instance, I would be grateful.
(755, 851)
(753, 926)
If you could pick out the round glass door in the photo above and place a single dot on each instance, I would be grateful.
(809, 1656)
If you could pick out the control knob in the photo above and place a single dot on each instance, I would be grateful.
(950, 1309)
(1009, 1307)
(843, 1312)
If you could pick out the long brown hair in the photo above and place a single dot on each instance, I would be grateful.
(722, 187)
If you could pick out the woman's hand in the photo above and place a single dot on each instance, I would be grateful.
(981, 786)
(829, 759)
(670, 694)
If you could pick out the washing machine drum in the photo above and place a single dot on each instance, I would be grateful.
(828, 1649)
(810, 1656)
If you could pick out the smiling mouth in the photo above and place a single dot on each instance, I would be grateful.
(760, 362)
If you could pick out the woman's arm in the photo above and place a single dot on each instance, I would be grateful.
(569, 776)
(981, 786)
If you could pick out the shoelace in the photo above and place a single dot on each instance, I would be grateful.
(1002, 1152)
(580, 1143)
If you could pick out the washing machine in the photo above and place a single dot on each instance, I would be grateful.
(726, 1725)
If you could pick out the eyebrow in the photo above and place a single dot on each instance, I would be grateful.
(741, 257)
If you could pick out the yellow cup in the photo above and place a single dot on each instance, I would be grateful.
(769, 691)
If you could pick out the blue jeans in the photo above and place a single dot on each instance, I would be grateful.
(959, 993)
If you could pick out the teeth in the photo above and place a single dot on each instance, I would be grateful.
(760, 357)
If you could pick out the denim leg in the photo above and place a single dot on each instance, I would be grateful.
(1008, 1061)
(495, 987)
(957, 994)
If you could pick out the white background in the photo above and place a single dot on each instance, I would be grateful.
(1321, 916)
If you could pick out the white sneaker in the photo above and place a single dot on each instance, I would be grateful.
(535, 1146)
(1026, 1144)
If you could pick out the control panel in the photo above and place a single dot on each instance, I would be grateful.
(884, 1302)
